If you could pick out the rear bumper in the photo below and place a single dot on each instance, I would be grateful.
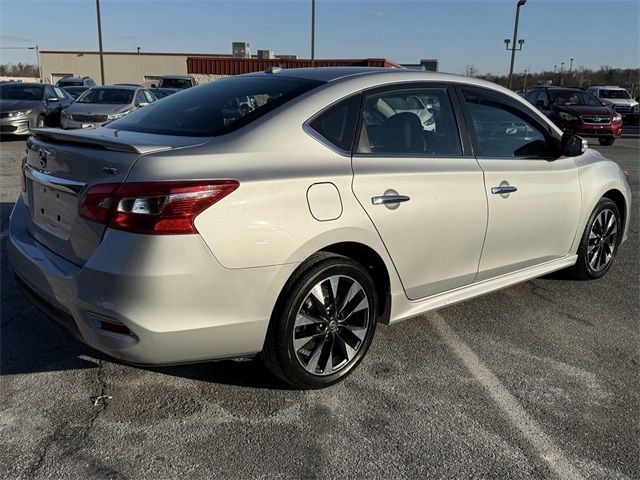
(178, 302)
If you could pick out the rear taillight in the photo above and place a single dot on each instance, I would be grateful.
(153, 207)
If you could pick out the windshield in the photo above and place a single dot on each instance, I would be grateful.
(108, 96)
(216, 108)
(614, 94)
(175, 83)
(21, 92)
(573, 98)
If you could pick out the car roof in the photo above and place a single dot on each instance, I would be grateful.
(182, 77)
(118, 87)
(330, 74)
(610, 87)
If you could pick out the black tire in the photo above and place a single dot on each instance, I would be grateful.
(328, 335)
(584, 268)
(606, 141)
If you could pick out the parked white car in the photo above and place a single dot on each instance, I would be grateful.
(619, 100)
(187, 231)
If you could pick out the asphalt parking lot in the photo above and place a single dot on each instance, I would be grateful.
(539, 380)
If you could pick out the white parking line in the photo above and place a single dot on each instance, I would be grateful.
(548, 451)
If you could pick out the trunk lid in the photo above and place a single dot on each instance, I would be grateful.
(61, 166)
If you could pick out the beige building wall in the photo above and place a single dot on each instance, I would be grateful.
(118, 67)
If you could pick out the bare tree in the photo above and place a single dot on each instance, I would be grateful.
(470, 70)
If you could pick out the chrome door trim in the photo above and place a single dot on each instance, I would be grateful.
(68, 186)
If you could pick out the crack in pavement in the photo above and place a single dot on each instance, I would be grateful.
(74, 441)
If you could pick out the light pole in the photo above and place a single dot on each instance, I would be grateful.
(515, 40)
(38, 61)
(561, 74)
(100, 42)
(313, 33)
(524, 86)
(570, 65)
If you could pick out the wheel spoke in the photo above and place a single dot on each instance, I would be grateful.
(328, 364)
(359, 332)
(353, 290)
(298, 343)
(347, 350)
(354, 307)
(304, 319)
(312, 363)
(333, 291)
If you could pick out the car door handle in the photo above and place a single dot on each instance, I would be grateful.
(385, 199)
(502, 189)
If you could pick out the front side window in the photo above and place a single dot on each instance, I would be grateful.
(502, 130)
(140, 98)
(59, 93)
(416, 121)
(215, 108)
(150, 98)
(338, 124)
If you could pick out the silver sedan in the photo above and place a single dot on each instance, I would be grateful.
(284, 214)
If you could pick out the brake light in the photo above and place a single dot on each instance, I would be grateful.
(153, 207)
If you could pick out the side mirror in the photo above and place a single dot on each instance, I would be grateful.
(52, 99)
(573, 145)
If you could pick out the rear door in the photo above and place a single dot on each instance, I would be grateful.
(534, 199)
(420, 185)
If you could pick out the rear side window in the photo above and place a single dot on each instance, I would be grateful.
(418, 122)
(215, 108)
(337, 125)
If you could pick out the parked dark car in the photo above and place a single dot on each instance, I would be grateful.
(75, 92)
(577, 111)
(163, 92)
(76, 82)
(24, 106)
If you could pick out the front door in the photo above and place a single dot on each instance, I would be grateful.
(423, 193)
(534, 199)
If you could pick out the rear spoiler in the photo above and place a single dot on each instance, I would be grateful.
(92, 138)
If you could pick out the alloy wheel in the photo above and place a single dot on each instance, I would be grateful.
(602, 240)
(331, 325)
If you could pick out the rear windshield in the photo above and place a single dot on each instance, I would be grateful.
(216, 108)
(70, 83)
(108, 96)
(175, 83)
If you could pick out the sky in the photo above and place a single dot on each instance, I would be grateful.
(457, 32)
